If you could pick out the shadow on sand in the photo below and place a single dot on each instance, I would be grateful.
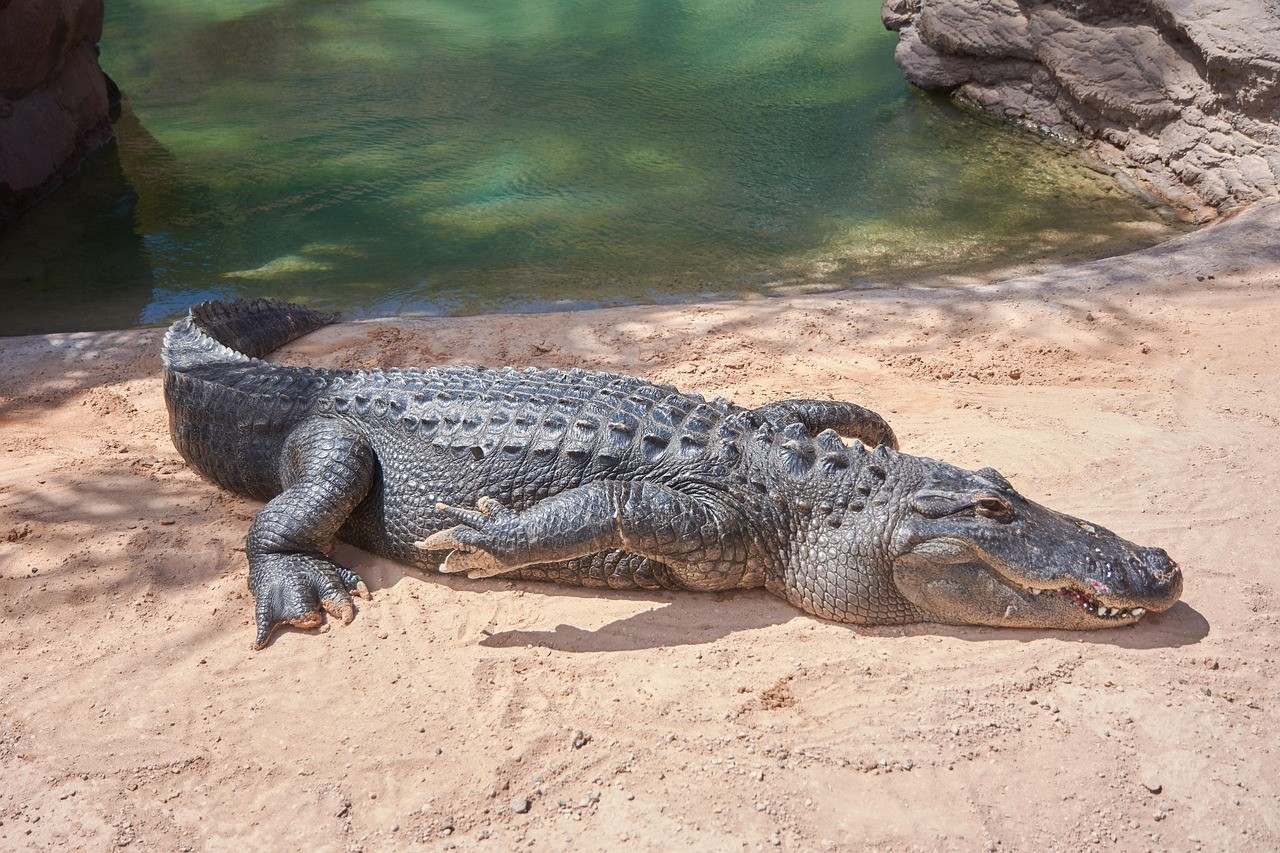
(692, 619)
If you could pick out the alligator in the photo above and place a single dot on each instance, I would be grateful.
(604, 480)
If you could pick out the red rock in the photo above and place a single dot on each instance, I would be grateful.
(53, 96)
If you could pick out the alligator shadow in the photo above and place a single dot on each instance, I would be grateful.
(690, 619)
(1180, 625)
(682, 619)
(674, 619)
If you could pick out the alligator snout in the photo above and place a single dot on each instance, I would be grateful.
(1160, 580)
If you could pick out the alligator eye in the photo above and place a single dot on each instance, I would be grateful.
(993, 507)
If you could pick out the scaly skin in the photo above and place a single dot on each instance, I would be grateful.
(603, 480)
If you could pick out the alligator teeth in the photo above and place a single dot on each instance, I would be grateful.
(1088, 604)
(1117, 611)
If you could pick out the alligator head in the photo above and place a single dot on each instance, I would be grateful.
(969, 549)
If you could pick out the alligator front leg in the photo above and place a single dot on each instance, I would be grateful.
(701, 540)
(848, 419)
(326, 470)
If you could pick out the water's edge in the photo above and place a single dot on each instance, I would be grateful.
(400, 160)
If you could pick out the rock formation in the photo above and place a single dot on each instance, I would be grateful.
(1182, 94)
(53, 95)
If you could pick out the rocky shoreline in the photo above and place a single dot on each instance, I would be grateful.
(1182, 95)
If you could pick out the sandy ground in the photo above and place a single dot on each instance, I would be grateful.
(1141, 392)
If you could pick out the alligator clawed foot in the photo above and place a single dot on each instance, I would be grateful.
(466, 553)
(298, 589)
(471, 544)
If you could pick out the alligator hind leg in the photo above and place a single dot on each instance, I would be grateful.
(848, 419)
(700, 540)
(326, 470)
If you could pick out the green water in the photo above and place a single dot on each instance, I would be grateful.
(462, 156)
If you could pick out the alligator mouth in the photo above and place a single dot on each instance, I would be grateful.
(978, 587)
(1087, 602)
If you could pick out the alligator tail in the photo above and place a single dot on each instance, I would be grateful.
(238, 330)
(255, 327)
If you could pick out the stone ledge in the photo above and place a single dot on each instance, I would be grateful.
(1182, 95)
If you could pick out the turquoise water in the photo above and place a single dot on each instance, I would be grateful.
(425, 156)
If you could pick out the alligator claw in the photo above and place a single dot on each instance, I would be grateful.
(298, 589)
(475, 544)
(339, 609)
(476, 564)
(466, 553)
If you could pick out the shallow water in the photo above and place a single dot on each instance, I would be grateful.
(462, 156)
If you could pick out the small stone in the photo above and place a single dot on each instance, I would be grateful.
(1152, 784)
(521, 805)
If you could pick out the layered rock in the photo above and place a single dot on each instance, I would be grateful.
(53, 95)
(1182, 94)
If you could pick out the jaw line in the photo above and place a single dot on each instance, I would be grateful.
(1088, 603)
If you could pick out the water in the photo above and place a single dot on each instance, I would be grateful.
(462, 156)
